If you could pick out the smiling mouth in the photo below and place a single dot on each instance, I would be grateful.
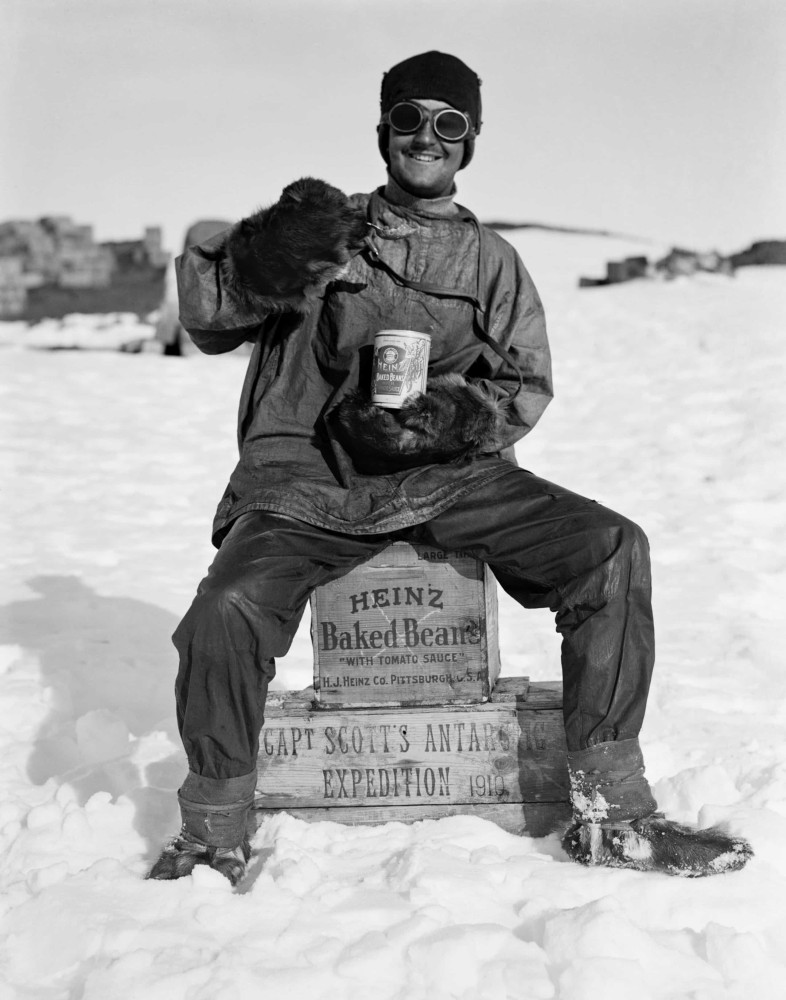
(424, 157)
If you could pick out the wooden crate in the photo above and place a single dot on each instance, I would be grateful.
(503, 760)
(412, 626)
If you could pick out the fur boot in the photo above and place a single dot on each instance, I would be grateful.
(283, 256)
(452, 420)
(183, 854)
(656, 844)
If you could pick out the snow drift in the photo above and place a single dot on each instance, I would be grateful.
(669, 408)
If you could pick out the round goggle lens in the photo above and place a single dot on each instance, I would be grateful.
(406, 117)
(452, 126)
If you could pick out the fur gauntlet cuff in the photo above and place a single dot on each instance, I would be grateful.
(452, 420)
(281, 256)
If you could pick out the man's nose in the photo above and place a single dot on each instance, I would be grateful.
(426, 131)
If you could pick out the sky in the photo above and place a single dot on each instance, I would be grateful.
(663, 119)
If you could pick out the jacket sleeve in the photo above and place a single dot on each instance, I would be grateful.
(214, 318)
(516, 322)
(279, 259)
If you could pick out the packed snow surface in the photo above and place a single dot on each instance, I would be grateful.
(669, 408)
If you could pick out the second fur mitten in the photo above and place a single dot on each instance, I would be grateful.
(452, 420)
(282, 256)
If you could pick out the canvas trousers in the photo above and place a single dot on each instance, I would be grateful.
(547, 547)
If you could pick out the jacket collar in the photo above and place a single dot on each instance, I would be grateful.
(429, 208)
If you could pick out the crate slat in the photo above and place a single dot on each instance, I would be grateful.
(533, 819)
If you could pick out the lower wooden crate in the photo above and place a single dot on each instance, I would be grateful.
(503, 760)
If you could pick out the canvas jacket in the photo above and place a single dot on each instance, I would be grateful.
(291, 461)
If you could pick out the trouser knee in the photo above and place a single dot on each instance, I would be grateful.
(634, 553)
(226, 617)
(622, 550)
(614, 566)
(634, 539)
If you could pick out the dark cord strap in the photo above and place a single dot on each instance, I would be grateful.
(439, 290)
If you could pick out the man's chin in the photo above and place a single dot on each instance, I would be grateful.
(423, 187)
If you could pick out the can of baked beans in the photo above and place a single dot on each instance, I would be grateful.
(400, 366)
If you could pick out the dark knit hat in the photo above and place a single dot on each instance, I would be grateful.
(434, 76)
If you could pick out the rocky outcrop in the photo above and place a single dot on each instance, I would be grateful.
(762, 252)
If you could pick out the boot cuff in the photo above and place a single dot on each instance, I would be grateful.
(215, 810)
(607, 784)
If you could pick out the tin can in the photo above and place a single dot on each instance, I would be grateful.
(400, 366)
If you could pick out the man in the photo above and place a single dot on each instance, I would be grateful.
(326, 479)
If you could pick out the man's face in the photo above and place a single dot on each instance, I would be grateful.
(422, 163)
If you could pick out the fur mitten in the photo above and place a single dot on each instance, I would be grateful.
(282, 256)
(452, 420)
(656, 844)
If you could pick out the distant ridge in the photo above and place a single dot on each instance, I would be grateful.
(568, 229)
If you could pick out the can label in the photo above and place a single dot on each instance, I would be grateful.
(400, 366)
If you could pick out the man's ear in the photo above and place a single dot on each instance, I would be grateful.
(383, 141)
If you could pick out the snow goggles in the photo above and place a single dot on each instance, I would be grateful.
(448, 124)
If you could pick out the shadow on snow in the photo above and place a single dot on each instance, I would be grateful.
(109, 668)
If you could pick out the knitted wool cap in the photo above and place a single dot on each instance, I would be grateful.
(434, 76)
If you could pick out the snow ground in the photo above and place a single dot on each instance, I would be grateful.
(669, 407)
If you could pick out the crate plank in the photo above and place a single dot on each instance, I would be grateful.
(412, 626)
(449, 757)
(533, 819)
